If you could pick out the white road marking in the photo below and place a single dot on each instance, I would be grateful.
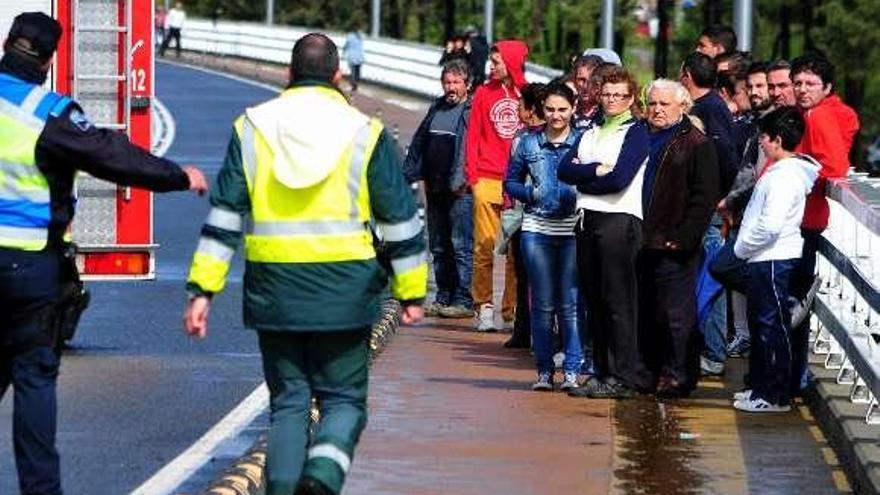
(167, 129)
(234, 77)
(192, 459)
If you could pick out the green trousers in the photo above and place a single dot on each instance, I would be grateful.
(332, 367)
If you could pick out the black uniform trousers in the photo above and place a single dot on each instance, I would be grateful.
(29, 287)
(607, 250)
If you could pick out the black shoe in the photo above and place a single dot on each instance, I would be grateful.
(311, 486)
(590, 389)
(515, 343)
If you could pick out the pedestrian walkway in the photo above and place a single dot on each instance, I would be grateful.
(451, 413)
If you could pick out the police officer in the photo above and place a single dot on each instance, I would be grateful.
(44, 139)
(313, 174)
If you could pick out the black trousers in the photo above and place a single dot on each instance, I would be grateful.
(667, 288)
(522, 325)
(607, 249)
(169, 34)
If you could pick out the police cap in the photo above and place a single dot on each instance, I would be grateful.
(35, 35)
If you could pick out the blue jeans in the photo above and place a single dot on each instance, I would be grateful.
(714, 326)
(551, 264)
(450, 235)
(770, 366)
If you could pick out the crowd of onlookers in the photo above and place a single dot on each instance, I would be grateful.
(650, 232)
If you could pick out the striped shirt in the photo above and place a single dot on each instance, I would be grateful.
(549, 226)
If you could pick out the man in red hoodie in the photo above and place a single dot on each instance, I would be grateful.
(493, 122)
(830, 130)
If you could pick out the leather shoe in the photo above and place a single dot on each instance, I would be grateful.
(515, 343)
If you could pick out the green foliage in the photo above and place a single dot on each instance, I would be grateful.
(844, 29)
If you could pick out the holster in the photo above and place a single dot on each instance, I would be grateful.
(73, 298)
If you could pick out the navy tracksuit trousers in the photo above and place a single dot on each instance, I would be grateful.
(770, 365)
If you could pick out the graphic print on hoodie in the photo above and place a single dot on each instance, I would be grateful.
(494, 119)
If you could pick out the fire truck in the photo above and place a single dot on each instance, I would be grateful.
(105, 62)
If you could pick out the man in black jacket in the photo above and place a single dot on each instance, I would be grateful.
(678, 196)
(44, 140)
(436, 156)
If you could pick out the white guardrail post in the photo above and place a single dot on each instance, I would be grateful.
(400, 65)
(846, 309)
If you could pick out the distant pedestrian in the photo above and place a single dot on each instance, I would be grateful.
(174, 23)
(436, 157)
(478, 55)
(159, 26)
(353, 49)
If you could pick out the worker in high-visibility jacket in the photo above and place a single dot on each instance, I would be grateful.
(306, 180)
(45, 139)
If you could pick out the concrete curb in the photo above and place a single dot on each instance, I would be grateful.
(245, 475)
(843, 423)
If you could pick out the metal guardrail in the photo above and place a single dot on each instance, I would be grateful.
(401, 65)
(848, 306)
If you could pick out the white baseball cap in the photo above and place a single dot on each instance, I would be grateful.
(605, 54)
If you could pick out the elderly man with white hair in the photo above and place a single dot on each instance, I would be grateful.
(678, 197)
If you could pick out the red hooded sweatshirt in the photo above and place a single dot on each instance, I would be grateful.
(831, 128)
(494, 119)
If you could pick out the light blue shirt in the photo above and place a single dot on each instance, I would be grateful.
(354, 48)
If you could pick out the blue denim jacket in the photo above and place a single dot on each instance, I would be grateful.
(531, 175)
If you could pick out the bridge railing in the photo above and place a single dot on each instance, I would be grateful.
(400, 65)
(847, 307)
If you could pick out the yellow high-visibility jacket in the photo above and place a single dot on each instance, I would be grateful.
(306, 181)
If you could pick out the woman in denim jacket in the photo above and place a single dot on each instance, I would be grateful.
(547, 242)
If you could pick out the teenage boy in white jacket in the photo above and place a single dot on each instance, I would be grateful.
(770, 242)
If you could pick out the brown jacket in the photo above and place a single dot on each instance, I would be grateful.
(685, 192)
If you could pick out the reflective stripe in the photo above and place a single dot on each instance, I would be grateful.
(225, 219)
(358, 163)
(32, 100)
(9, 192)
(333, 453)
(215, 248)
(24, 233)
(307, 227)
(403, 265)
(396, 232)
(248, 151)
(27, 119)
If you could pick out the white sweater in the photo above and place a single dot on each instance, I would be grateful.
(771, 225)
(592, 149)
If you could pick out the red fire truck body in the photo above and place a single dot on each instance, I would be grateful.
(105, 63)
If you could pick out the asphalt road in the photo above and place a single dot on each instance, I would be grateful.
(134, 392)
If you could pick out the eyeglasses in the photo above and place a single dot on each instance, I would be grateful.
(615, 96)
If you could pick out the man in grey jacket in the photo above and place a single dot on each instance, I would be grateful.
(436, 156)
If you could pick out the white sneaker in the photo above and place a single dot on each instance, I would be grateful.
(570, 382)
(544, 383)
(742, 395)
(486, 318)
(759, 406)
